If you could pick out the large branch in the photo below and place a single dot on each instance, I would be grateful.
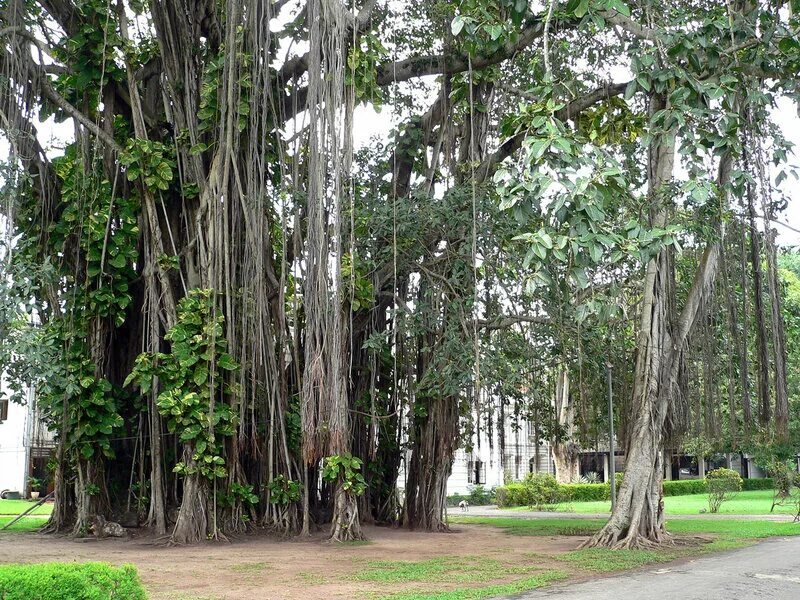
(572, 109)
(449, 64)
(501, 322)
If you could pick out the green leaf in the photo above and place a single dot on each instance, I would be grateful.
(457, 25)
(620, 7)
(200, 374)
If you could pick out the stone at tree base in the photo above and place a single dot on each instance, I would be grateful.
(102, 528)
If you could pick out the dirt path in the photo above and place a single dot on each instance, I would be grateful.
(261, 567)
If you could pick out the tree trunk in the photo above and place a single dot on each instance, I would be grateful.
(434, 444)
(762, 354)
(744, 363)
(157, 517)
(565, 450)
(638, 518)
(778, 337)
(63, 515)
(91, 494)
(193, 524)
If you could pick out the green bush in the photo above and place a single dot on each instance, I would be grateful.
(514, 494)
(585, 492)
(762, 483)
(541, 489)
(64, 581)
(477, 496)
(684, 488)
(722, 485)
(480, 496)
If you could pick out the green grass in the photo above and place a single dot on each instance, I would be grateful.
(729, 535)
(757, 502)
(16, 507)
(503, 589)
(728, 528)
(253, 567)
(26, 524)
(442, 569)
(603, 560)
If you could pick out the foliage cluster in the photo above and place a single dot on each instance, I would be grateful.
(70, 581)
(722, 485)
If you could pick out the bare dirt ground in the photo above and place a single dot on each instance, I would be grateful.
(262, 567)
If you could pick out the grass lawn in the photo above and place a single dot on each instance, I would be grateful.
(729, 529)
(26, 524)
(16, 507)
(757, 502)
(521, 585)
(728, 535)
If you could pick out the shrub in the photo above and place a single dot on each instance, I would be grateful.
(783, 476)
(541, 489)
(477, 496)
(513, 494)
(77, 581)
(684, 488)
(722, 485)
(455, 499)
(762, 483)
(480, 496)
(590, 477)
(584, 492)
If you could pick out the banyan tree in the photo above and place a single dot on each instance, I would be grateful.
(238, 312)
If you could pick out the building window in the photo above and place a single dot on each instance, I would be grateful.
(3, 409)
(479, 473)
(471, 471)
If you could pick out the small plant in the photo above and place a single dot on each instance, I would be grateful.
(590, 477)
(35, 484)
(480, 496)
(345, 468)
(722, 486)
(283, 490)
(541, 489)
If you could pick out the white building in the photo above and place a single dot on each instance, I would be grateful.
(486, 466)
(25, 443)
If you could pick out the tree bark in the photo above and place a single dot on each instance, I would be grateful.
(565, 450)
(435, 440)
(638, 518)
(762, 337)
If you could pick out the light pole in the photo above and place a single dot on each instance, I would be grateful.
(611, 461)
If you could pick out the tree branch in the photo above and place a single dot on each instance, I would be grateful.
(573, 108)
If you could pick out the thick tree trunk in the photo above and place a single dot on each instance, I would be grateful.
(157, 516)
(778, 337)
(638, 518)
(434, 444)
(345, 526)
(62, 518)
(91, 494)
(762, 344)
(194, 521)
(565, 450)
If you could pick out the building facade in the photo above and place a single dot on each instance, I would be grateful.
(25, 444)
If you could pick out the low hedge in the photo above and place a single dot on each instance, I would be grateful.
(515, 494)
(585, 492)
(684, 488)
(763, 483)
(70, 581)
